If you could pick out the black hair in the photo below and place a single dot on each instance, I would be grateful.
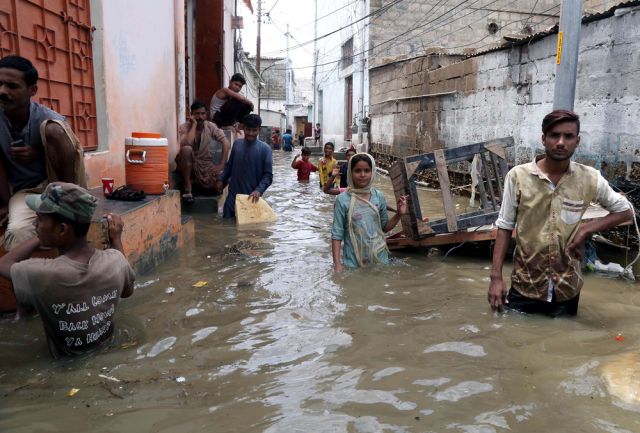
(305, 151)
(239, 78)
(559, 116)
(197, 105)
(252, 121)
(328, 143)
(289, 130)
(79, 229)
(351, 149)
(29, 72)
(357, 158)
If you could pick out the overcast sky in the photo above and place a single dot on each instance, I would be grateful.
(298, 14)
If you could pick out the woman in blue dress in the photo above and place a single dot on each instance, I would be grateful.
(360, 218)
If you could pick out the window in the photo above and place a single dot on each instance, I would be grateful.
(347, 53)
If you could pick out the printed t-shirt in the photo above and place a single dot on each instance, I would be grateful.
(76, 301)
(325, 167)
(304, 169)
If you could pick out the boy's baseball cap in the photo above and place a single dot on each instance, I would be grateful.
(66, 199)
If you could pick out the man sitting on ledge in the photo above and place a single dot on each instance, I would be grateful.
(228, 106)
(75, 294)
(203, 152)
(36, 147)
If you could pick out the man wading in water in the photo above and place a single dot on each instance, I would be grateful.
(545, 201)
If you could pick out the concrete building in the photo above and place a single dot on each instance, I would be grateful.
(374, 32)
(410, 29)
(437, 101)
(341, 77)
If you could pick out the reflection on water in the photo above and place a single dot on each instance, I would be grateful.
(275, 342)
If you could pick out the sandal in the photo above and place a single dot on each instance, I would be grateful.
(124, 193)
(187, 198)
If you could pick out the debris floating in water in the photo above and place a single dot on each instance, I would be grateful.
(72, 392)
(170, 290)
(181, 379)
(200, 284)
(619, 337)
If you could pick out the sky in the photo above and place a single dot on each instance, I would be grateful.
(299, 14)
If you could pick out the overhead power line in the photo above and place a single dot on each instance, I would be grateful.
(378, 11)
(439, 36)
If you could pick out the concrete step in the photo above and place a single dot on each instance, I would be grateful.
(153, 228)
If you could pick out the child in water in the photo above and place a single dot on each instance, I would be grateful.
(360, 218)
(303, 165)
(330, 187)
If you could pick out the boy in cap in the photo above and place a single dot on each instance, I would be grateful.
(76, 293)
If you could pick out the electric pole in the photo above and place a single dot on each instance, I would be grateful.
(287, 79)
(258, 52)
(315, 66)
(567, 54)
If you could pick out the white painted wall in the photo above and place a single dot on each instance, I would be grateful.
(331, 76)
(228, 64)
(136, 78)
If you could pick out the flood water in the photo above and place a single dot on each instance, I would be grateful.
(275, 342)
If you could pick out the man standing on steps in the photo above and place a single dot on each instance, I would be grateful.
(249, 169)
(544, 201)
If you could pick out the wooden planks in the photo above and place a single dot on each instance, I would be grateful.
(445, 189)
(492, 170)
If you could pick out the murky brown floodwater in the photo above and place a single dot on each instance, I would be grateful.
(277, 343)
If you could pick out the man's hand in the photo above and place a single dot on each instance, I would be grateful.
(24, 155)
(496, 291)
(219, 185)
(402, 205)
(335, 172)
(254, 197)
(575, 248)
(114, 227)
(217, 169)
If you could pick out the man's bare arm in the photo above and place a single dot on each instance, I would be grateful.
(18, 254)
(587, 229)
(497, 286)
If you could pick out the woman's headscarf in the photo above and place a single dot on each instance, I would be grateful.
(366, 189)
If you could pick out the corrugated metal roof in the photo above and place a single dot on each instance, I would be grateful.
(586, 18)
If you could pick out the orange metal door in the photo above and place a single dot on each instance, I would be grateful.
(56, 36)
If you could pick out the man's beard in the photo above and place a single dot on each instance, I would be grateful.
(553, 157)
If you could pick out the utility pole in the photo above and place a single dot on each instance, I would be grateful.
(258, 52)
(287, 82)
(567, 54)
(315, 66)
(287, 79)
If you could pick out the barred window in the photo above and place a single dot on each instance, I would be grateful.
(347, 53)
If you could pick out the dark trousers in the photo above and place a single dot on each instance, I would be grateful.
(516, 301)
(231, 112)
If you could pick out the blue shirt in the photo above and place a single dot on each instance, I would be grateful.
(288, 142)
(249, 169)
